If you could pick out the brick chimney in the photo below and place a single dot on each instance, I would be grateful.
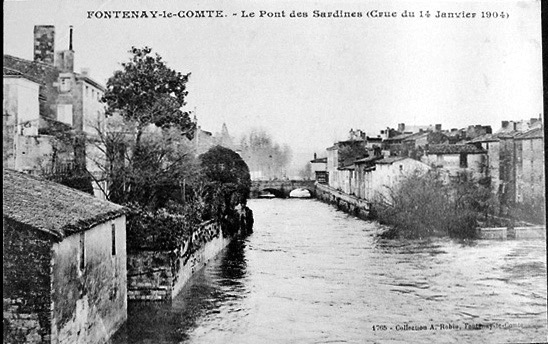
(44, 43)
(504, 124)
(401, 127)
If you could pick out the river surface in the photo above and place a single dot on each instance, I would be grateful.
(312, 274)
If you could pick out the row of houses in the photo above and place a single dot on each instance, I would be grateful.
(510, 160)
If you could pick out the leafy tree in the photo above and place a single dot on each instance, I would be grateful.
(143, 165)
(146, 91)
(226, 181)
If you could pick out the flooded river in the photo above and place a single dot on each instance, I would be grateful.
(312, 274)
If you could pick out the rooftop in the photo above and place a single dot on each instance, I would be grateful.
(391, 160)
(319, 160)
(454, 149)
(537, 133)
(51, 207)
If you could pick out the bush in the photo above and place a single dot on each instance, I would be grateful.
(425, 206)
(160, 229)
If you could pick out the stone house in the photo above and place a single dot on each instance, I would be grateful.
(64, 263)
(455, 159)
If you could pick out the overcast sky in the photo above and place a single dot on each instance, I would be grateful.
(307, 81)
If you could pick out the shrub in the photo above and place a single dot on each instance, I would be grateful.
(425, 206)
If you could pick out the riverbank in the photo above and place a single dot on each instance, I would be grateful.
(159, 275)
(364, 210)
(344, 202)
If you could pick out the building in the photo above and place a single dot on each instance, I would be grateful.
(530, 178)
(69, 103)
(20, 123)
(457, 159)
(318, 167)
(388, 173)
(64, 263)
(515, 161)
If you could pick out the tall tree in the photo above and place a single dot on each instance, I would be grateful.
(146, 91)
(142, 162)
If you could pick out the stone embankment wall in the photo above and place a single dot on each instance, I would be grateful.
(347, 203)
(160, 275)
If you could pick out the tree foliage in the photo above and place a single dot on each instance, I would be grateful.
(146, 91)
(225, 181)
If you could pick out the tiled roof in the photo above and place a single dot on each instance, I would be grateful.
(537, 133)
(485, 138)
(454, 149)
(368, 159)
(37, 71)
(9, 72)
(399, 137)
(52, 207)
(391, 160)
(319, 160)
(415, 136)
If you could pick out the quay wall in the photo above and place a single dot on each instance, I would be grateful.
(344, 202)
(155, 275)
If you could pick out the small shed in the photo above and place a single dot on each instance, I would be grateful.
(64, 263)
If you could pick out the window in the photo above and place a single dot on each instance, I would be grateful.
(64, 113)
(463, 160)
(64, 84)
(82, 251)
(401, 168)
(113, 239)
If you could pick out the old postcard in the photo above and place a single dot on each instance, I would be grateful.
(273, 172)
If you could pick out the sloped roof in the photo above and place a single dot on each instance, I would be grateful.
(485, 138)
(12, 73)
(37, 71)
(368, 159)
(537, 133)
(51, 207)
(454, 149)
(399, 137)
(415, 136)
(391, 160)
(319, 160)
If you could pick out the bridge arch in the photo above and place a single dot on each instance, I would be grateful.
(281, 187)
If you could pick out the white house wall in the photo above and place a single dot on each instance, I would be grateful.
(90, 304)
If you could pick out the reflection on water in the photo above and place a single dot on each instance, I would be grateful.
(311, 274)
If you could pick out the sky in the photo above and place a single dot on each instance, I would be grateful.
(308, 81)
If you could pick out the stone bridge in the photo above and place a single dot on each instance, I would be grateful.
(281, 188)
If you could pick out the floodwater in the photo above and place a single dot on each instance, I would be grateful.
(312, 274)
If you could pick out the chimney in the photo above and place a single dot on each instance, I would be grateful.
(504, 124)
(437, 128)
(401, 127)
(315, 156)
(44, 43)
(70, 38)
(64, 59)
